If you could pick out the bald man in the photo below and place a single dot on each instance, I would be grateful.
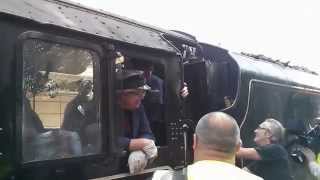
(216, 141)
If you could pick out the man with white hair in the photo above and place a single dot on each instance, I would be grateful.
(271, 159)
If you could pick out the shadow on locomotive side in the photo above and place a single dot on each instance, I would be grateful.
(59, 57)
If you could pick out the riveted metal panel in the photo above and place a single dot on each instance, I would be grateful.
(79, 18)
(274, 72)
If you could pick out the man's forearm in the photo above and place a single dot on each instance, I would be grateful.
(248, 153)
(138, 144)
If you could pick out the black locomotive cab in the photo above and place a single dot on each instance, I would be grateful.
(59, 86)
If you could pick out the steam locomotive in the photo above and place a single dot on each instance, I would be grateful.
(50, 48)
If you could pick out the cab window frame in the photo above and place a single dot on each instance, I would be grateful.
(160, 58)
(97, 81)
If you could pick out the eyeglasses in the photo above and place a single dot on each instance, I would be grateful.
(264, 128)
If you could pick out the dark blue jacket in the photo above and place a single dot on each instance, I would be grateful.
(140, 128)
(156, 83)
(154, 104)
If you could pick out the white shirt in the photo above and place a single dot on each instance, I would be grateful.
(218, 170)
(210, 170)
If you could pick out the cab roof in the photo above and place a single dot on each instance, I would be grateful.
(76, 17)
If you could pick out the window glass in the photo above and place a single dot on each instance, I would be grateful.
(222, 84)
(60, 104)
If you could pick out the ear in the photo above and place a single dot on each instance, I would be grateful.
(268, 134)
(194, 142)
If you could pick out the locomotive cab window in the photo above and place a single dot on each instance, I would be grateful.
(60, 106)
(223, 83)
(154, 100)
(223, 74)
(140, 99)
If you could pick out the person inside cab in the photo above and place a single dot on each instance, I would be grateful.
(80, 112)
(32, 125)
(154, 100)
(270, 158)
(40, 143)
(137, 137)
(155, 82)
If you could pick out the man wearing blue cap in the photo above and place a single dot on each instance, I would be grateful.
(154, 102)
(137, 136)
